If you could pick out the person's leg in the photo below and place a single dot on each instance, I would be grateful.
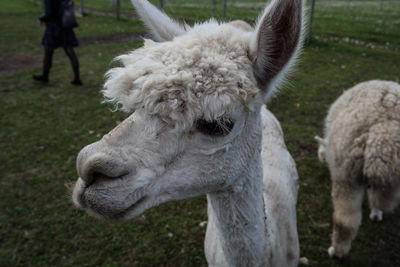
(75, 65)
(47, 61)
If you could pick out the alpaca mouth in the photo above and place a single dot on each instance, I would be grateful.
(114, 214)
(108, 204)
(94, 180)
(100, 178)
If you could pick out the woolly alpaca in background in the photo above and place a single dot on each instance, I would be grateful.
(199, 126)
(362, 150)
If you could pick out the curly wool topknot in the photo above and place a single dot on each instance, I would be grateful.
(205, 73)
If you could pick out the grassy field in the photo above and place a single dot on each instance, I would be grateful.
(42, 128)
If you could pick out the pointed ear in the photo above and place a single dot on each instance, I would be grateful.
(162, 27)
(276, 41)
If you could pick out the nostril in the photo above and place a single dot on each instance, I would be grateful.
(97, 176)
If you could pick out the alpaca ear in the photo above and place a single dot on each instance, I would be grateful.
(276, 41)
(162, 27)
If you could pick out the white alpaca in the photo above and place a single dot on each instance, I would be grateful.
(199, 126)
(362, 150)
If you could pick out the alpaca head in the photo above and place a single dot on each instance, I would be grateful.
(195, 97)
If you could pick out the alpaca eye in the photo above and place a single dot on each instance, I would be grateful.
(215, 128)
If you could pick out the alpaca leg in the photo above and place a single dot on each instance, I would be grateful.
(374, 203)
(384, 199)
(347, 201)
(396, 197)
(74, 63)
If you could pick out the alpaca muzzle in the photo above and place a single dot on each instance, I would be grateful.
(94, 165)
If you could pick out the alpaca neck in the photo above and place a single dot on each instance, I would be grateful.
(237, 219)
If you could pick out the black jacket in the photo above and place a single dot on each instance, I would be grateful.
(51, 11)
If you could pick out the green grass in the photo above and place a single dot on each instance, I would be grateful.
(42, 128)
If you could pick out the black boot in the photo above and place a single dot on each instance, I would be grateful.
(41, 78)
(76, 82)
(48, 58)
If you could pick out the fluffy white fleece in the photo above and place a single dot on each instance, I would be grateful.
(202, 74)
(362, 149)
(363, 127)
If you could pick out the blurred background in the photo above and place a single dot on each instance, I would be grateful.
(43, 127)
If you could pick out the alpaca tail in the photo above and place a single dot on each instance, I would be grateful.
(321, 148)
(382, 154)
(303, 261)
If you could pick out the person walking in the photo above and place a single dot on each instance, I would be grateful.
(56, 36)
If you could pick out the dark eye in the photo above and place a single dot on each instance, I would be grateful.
(215, 128)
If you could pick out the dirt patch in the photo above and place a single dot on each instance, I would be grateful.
(305, 149)
(15, 63)
(94, 11)
(116, 38)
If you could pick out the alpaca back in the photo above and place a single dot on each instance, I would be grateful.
(362, 131)
(280, 180)
(382, 155)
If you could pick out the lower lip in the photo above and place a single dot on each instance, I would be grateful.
(122, 214)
